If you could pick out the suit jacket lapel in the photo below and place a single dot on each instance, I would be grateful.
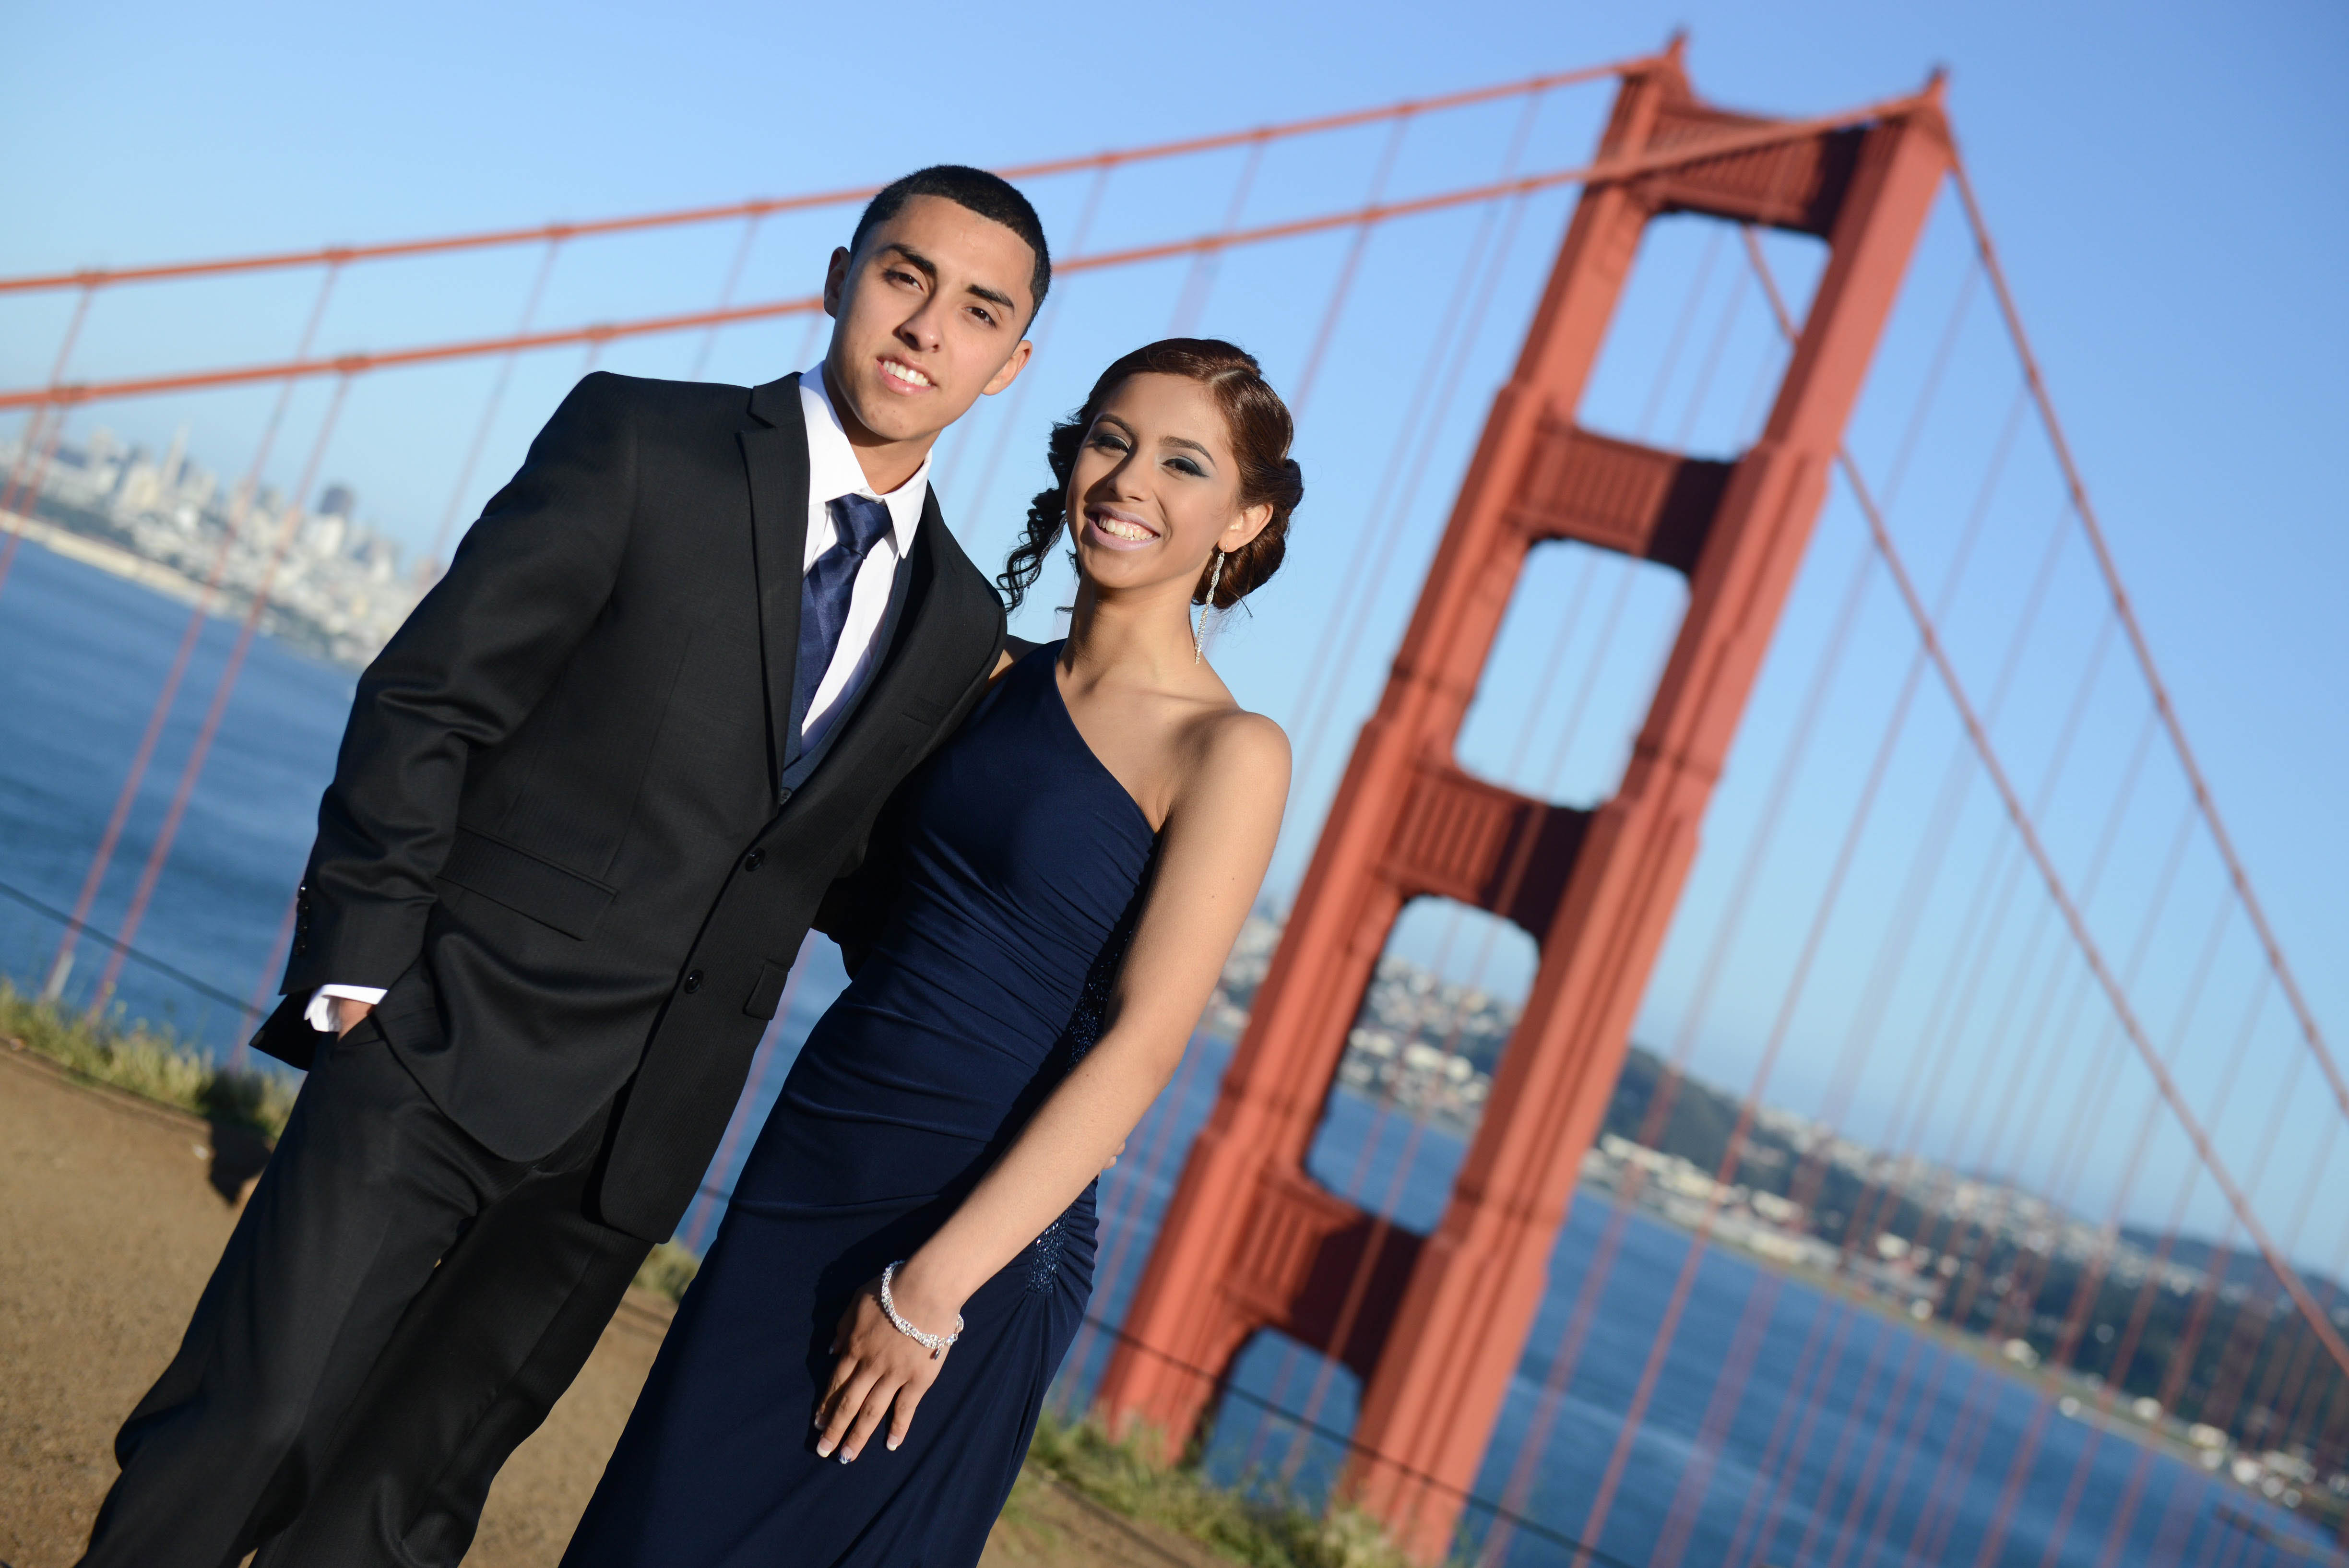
(775, 454)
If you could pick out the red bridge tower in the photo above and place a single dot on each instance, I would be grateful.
(1435, 1325)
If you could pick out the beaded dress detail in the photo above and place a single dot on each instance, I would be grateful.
(1021, 867)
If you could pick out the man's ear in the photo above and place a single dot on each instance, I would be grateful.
(836, 281)
(1011, 369)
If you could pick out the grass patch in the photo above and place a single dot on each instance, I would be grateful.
(1256, 1526)
(668, 1270)
(146, 1061)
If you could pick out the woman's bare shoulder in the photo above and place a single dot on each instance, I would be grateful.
(1231, 747)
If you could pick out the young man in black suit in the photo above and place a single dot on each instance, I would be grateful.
(586, 806)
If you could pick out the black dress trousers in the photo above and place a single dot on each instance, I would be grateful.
(396, 1310)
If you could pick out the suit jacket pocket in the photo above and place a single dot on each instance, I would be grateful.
(525, 884)
(767, 994)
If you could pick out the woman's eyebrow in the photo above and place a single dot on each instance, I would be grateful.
(1187, 441)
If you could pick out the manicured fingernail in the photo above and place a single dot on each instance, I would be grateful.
(894, 1441)
(845, 1456)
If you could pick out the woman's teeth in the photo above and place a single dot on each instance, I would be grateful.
(1119, 528)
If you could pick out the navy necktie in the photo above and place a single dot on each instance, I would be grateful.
(824, 594)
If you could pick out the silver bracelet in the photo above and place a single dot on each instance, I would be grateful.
(936, 1343)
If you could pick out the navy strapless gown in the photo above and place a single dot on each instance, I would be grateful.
(1024, 864)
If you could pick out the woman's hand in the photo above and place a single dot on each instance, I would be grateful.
(878, 1368)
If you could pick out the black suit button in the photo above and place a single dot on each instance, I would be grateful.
(752, 861)
(692, 982)
(300, 946)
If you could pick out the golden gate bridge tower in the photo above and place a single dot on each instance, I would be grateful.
(1436, 1324)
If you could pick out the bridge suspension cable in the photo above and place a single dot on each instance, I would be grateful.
(765, 207)
(359, 363)
(2139, 646)
(2026, 826)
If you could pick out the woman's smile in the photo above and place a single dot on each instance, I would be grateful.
(1115, 528)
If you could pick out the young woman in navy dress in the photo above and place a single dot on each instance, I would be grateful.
(853, 1377)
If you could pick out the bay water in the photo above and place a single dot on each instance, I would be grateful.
(1903, 1452)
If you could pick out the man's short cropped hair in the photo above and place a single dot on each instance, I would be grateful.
(989, 195)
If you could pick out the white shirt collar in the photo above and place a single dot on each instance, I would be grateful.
(833, 470)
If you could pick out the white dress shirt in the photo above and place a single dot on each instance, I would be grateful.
(832, 473)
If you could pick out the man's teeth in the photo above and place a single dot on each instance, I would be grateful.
(905, 372)
(1119, 528)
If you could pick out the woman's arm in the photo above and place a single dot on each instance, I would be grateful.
(1218, 839)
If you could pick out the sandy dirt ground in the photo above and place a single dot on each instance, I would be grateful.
(111, 1213)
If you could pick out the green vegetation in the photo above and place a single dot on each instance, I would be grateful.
(139, 1057)
(668, 1270)
(1260, 1527)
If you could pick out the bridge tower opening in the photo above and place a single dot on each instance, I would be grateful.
(1436, 1324)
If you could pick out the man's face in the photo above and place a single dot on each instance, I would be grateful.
(928, 313)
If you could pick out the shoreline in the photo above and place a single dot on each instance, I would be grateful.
(225, 603)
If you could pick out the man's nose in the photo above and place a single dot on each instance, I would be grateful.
(923, 329)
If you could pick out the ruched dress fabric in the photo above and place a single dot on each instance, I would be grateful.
(1024, 864)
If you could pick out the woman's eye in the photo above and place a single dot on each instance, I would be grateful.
(1107, 442)
(1185, 465)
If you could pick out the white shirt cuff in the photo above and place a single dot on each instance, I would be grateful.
(320, 1014)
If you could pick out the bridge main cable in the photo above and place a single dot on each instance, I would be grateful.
(2140, 645)
(328, 255)
(2066, 906)
(354, 364)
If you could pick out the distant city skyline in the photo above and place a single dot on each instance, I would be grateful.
(334, 583)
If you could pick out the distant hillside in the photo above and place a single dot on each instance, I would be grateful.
(1698, 1126)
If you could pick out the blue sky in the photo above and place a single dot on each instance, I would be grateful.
(2166, 183)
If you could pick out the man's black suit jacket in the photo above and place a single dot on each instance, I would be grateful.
(555, 833)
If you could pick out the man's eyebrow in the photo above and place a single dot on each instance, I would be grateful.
(915, 259)
(994, 296)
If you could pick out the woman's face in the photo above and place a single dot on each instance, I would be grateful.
(1156, 487)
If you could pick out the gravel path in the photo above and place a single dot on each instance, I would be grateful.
(112, 1210)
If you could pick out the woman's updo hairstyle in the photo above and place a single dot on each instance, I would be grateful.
(1260, 432)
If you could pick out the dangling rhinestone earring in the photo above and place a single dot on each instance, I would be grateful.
(1199, 631)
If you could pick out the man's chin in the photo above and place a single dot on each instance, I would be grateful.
(902, 428)
(893, 416)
